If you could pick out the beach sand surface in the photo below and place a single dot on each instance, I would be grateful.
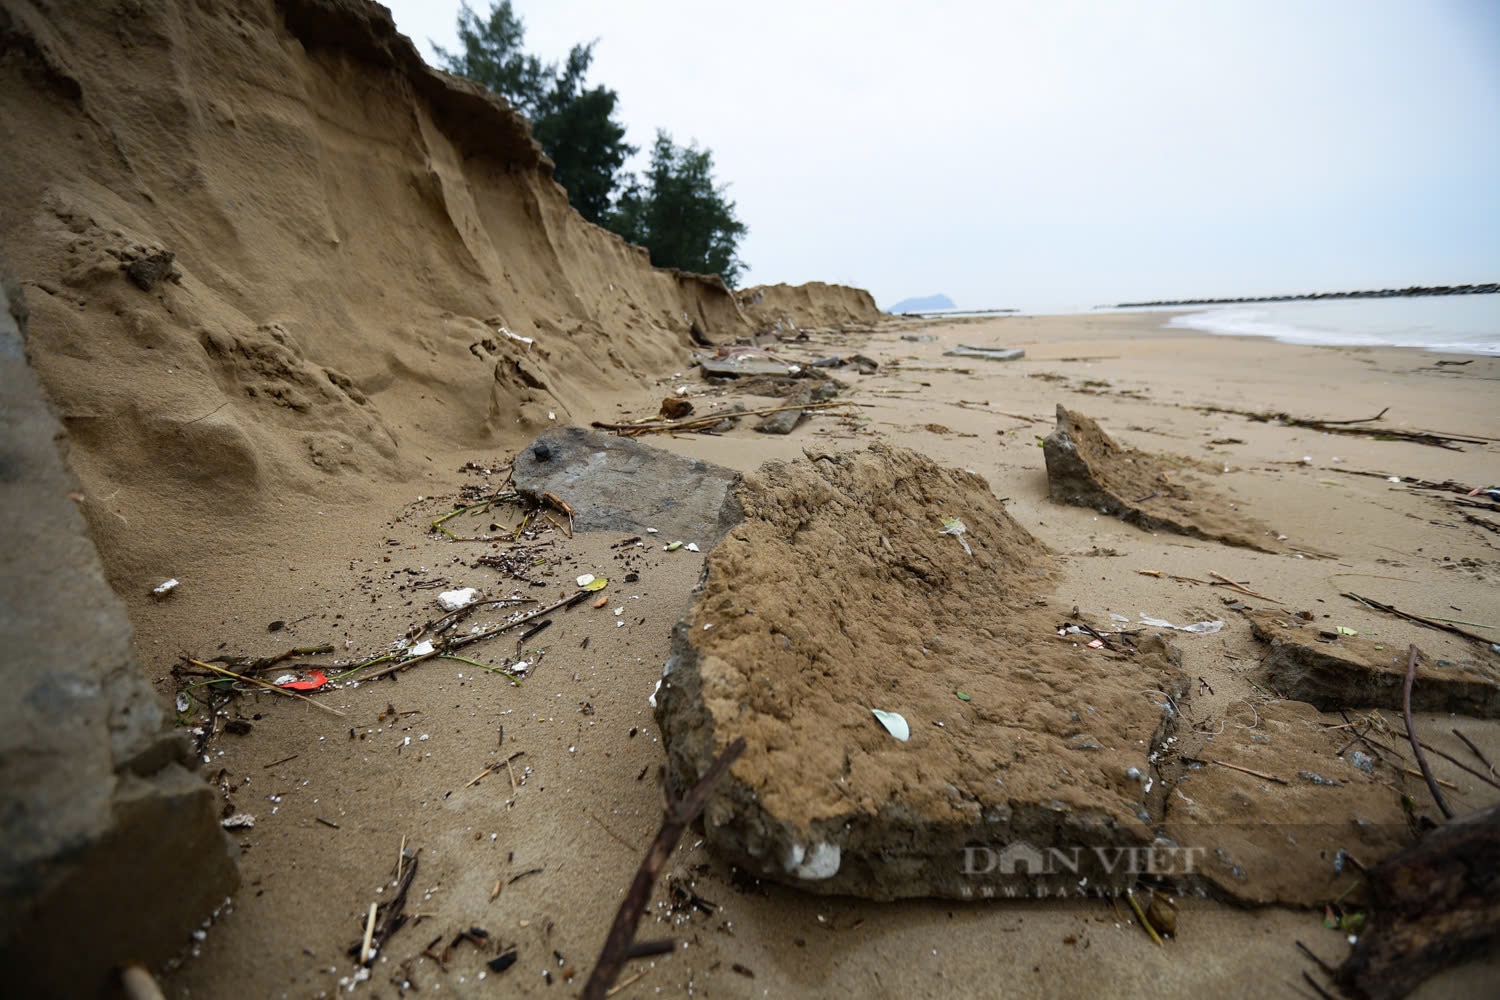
(336, 797)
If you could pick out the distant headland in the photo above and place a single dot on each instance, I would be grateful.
(1384, 293)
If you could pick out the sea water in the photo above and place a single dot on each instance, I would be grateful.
(1458, 324)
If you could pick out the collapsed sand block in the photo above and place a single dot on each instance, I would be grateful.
(1088, 468)
(1334, 671)
(1025, 768)
(1283, 834)
(620, 484)
(112, 848)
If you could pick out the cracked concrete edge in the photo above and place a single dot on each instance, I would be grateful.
(112, 850)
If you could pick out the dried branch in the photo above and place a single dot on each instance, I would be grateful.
(675, 820)
(1411, 732)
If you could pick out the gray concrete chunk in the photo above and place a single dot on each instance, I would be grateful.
(619, 484)
(110, 847)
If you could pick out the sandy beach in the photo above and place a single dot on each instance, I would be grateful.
(294, 297)
(332, 813)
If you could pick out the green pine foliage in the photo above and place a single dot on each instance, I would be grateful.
(677, 211)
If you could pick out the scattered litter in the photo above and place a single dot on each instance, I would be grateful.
(239, 821)
(595, 583)
(894, 724)
(1119, 618)
(528, 341)
(987, 353)
(312, 682)
(953, 526)
(585, 579)
(183, 702)
(650, 531)
(961, 696)
(164, 588)
(421, 649)
(284, 680)
(452, 600)
(654, 691)
(692, 547)
(1096, 644)
(1344, 630)
(1197, 628)
(672, 546)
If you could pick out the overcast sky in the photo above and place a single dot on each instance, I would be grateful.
(1050, 153)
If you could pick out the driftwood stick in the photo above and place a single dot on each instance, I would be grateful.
(1235, 585)
(265, 684)
(674, 822)
(1487, 779)
(1411, 732)
(710, 419)
(1430, 623)
(459, 642)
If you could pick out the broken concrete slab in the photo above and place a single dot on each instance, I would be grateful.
(112, 848)
(787, 420)
(620, 484)
(840, 595)
(1282, 834)
(1351, 671)
(986, 353)
(739, 365)
(1087, 468)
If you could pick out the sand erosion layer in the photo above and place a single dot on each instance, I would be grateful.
(271, 255)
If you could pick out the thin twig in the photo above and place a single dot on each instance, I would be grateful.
(1470, 744)
(1140, 915)
(1241, 587)
(1411, 732)
(675, 820)
(1246, 770)
(1392, 610)
(265, 684)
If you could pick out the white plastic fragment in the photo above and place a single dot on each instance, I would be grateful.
(819, 863)
(528, 341)
(183, 703)
(692, 547)
(1118, 618)
(654, 691)
(421, 649)
(239, 821)
(165, 587)
(953, 526)
(285, 679)
(452, 600)
(1197, 628)
(585, 579)
(894, 724)
(520, 666)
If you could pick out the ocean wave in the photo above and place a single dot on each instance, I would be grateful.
(1375, 323)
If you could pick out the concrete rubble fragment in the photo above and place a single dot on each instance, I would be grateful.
(620, 484)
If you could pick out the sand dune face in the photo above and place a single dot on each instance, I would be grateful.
(269, 252)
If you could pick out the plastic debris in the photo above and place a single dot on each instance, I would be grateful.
(1119, 618)
(953, 526)
(595, 583)
(692, 547)
(183, 702)
(672, 546)
(421, 649)
(1344, 630)
(1197, 628)
(164, 588)
(961, 696)
(528, 341)
(452, 600)
(239, 821)
(585, 579)
(314, 680)
(894, 724)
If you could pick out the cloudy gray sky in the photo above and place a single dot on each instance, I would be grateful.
(1057, 152)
